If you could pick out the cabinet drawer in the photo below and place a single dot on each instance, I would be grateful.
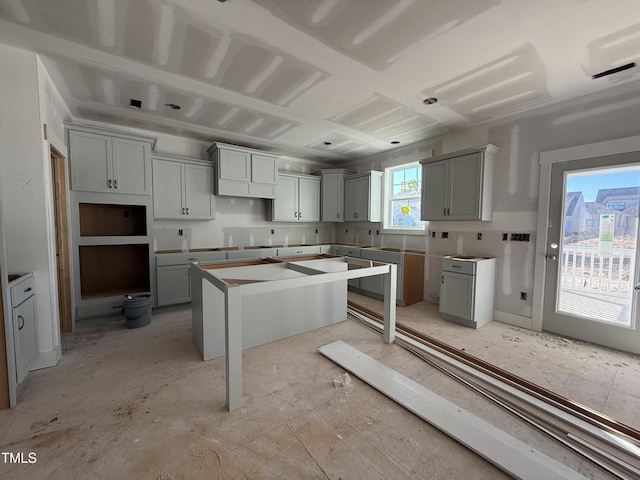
(303, 250)
(23, 290)
(349, 252)
(382, 256)
(458, 266)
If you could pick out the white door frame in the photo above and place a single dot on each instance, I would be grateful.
(547, 159)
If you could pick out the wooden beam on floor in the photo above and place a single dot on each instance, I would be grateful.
(501, 449)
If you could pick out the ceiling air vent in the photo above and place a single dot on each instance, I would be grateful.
(133, 103)
(611, 71)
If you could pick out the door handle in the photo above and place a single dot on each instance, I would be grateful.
(20, 319)
(552, 257)
(637, 287)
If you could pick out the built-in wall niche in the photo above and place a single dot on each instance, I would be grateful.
(101, 219)
(109, 270)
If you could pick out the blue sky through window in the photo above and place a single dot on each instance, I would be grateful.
(589, 182)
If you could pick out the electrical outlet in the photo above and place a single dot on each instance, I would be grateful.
(377, 232)
(445, 234)
(273, 231)
(346, 230)
(180, 232)
(523, 295)
(479, 237)
(505, 237)
(433, 234)
(316, 230)
(369, 232)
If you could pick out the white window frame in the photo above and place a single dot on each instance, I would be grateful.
(387, 180)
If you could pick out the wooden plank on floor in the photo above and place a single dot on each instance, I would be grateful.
(506, 452)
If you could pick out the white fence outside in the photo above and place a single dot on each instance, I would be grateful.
(584, 269)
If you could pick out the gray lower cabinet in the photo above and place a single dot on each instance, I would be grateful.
(252, 253)
(299, 250)
(409, 269)
(25, 326)
(173, 270)
(174, 284)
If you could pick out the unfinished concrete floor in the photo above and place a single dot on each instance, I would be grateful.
(140, 404)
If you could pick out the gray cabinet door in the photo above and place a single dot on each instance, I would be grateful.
(350, 200)
(308, 199)
(457, 295)
(435, 178)
(234, 166)
(264, 169)
(285, 207)
(131, 167)
(168, 195)
(26, 336)
(174, 284)
(90, 159)
(465, 187)
(332, 197)
(198, 192)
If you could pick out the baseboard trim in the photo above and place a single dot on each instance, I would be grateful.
(511, 319)
(48, 359)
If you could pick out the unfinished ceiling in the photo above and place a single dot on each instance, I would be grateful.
(322, 79)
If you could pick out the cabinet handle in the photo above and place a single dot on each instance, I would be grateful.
(338, 215)
(27, 289)
(442, 279)
(183, 210)
(187, 210)
(109, 183)
(448, 210)
(444, 211)
(20, 318)
(115, 183)
(299, 214)
(295, 214)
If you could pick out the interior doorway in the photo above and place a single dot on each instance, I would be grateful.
(63, 257)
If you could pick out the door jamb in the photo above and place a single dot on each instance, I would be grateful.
(547, 159)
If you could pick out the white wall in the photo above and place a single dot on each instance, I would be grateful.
(515, 194)
(26, 189)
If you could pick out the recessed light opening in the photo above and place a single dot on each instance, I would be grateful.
(430, 101)
(173, 106)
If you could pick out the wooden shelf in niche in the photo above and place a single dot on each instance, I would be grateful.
(109, 270)
(100, 220)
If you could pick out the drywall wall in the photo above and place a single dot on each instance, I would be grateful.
(24, 187)
(515, 194)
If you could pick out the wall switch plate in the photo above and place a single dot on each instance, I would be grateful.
(523, 295)
(445, 234)
(180, 232)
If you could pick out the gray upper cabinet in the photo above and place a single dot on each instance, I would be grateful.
(298, 199)
(103, 161)
(458, 186)
(244, 172)
(332, 194)
(182, 188)
(362, 197)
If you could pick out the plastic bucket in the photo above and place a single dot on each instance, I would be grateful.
(137, 310)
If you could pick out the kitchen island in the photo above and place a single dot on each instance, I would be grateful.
(242, 304)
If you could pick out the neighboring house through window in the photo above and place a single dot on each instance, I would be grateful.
(402, 196)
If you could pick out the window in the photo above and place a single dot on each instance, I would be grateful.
(402, 192)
